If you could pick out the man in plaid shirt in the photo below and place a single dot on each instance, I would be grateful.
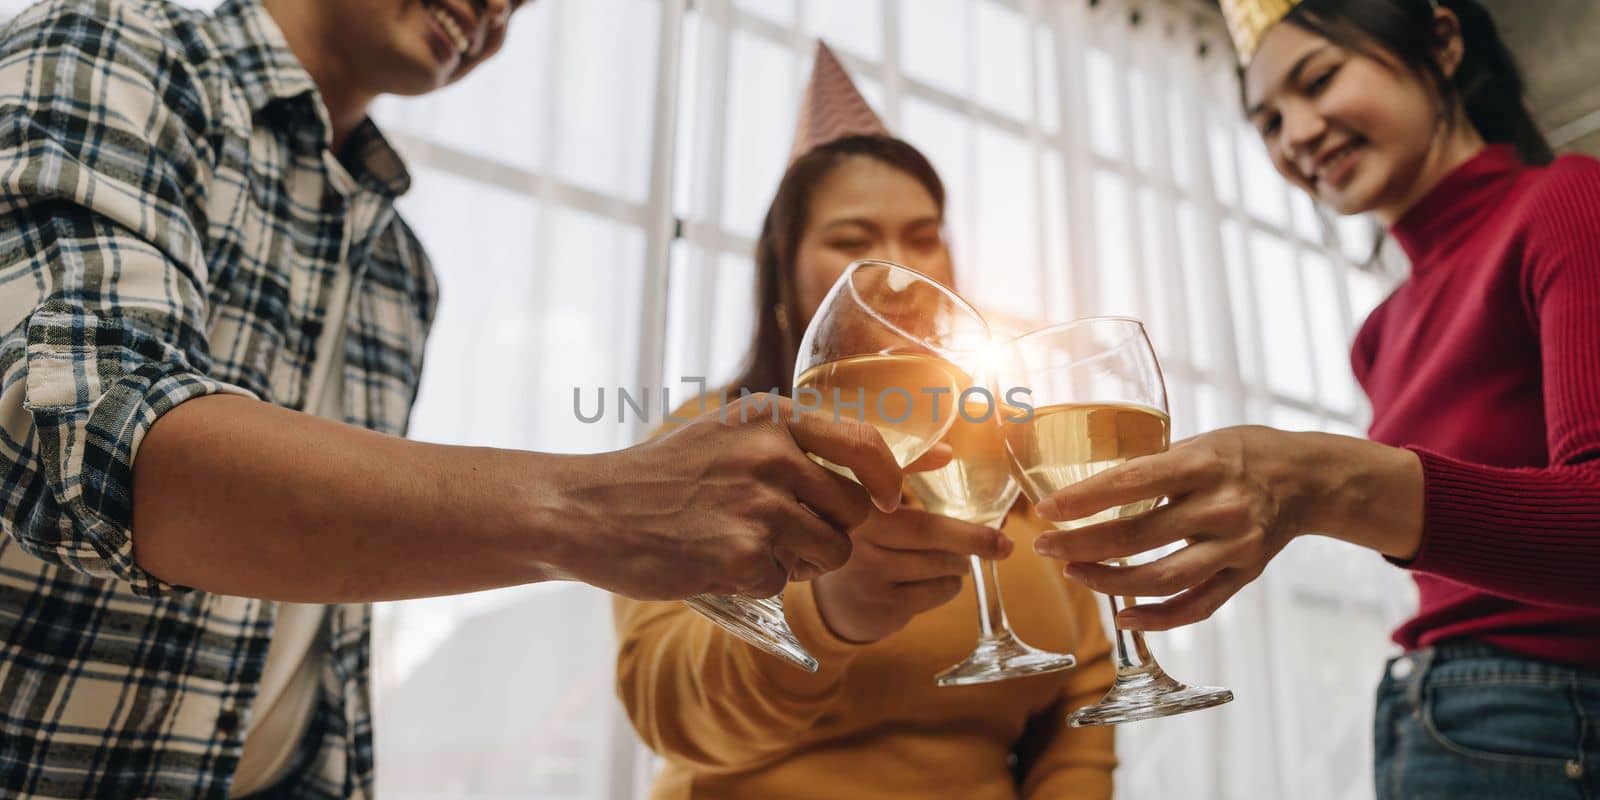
(213, 329)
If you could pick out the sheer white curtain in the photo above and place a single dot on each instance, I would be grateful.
(1096, 163)
(542, 194)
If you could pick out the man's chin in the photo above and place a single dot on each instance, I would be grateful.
(414, 81)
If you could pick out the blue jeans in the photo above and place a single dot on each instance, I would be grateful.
(1464, 721)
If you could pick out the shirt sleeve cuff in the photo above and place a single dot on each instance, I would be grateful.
(1434, 519)
(89, 450)
(833, 654)
(1459, 503)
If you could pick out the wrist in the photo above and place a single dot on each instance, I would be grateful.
(1404, 483)
(825, 597)
(1364, 492)
(555, 518)
(1327, 489)
(803, 608)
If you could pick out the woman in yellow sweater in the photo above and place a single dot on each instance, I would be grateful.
(733, 722)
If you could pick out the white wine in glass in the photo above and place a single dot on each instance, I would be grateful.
(978, 486)
(906, 397)
(1100, 401)
(1066, 443)
(876, 351)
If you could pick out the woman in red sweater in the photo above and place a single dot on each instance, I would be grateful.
(1482, 475)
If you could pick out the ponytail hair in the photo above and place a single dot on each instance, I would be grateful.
(1487, 86)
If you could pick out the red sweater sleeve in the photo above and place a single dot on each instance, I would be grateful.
(1534, 534)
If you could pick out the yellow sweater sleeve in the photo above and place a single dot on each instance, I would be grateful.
(1072, 762)
(700, 696)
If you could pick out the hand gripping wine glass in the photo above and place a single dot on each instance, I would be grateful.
(1099, 400)
(878, 351)
(977, 486)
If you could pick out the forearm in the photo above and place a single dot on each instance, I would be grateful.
(1526, 533)
(1362, 492)
(1529, 534)
(698, 695)
(240, 497)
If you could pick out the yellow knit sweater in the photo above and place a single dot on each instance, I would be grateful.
(733, 722)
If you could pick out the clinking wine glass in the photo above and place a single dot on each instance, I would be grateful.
(978, 486)
(1099, 400)
(879, 350)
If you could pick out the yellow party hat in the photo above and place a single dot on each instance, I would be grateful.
(1249, 21)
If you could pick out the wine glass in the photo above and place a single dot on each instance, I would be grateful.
(876, 352)
(1098, 401)
(977, 486)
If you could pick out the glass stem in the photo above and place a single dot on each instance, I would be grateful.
(991, 611)
(986, 585)
(1133, 655)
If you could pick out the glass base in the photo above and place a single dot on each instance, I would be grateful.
(1147, 693)
(1003, 657)
(758, 622)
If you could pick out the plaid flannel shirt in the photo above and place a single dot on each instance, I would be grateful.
(171, 222)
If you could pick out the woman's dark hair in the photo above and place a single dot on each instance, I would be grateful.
(769, 362)
(1487, 86)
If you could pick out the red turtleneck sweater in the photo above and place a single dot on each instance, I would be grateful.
(1486, 363)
